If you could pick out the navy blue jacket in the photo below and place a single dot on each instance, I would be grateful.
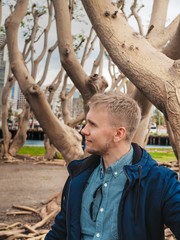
(151, 198)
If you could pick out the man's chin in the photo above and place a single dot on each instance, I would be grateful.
(92, 151)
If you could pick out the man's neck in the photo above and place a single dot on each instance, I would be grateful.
(115, 155)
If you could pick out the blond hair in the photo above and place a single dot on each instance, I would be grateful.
(123, 110)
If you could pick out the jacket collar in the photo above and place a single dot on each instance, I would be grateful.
(140, 158)
(91, 162)
(77, 166)
(137, 153)
(141, 165)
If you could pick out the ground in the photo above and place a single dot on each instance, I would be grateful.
(31, 183)
(28, 183)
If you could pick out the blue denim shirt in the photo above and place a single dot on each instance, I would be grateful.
(112, 182)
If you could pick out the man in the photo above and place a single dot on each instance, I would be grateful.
(119, 191)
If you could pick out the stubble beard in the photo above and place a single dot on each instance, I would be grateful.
(101, 152)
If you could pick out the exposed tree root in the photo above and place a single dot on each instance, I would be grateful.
(26, 208)
(26, 231)
(18, 213)
(51, 162)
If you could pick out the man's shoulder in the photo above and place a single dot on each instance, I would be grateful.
(77, 166)
(164, 171)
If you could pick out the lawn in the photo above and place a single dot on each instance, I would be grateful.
(32, 151)
(35, 151)
(159, 154)
(162, 154)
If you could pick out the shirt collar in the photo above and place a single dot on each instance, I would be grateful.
(117, 167)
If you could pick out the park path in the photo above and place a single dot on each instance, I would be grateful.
(29, 184)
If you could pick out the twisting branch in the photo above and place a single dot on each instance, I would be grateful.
(98, 61)
(46, 67)
(135, 11)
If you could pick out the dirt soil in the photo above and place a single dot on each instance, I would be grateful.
(29, 184)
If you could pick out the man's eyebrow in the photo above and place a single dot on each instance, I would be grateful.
(91, 122)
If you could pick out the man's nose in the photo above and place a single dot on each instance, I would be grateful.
(84, 130)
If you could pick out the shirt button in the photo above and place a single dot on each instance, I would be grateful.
(98, 235)
(101, 209)
(105, 185)
(115, 173)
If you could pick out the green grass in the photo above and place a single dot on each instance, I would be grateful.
(159, 154)
(35, 151)
(32, 151)
(162, 154)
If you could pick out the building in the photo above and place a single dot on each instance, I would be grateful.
(21, 100)
(78, 105)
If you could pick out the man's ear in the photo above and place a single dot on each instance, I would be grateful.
(120, 134)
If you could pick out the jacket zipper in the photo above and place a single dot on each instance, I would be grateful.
(121, 206)
(138, 192)
(67, 207)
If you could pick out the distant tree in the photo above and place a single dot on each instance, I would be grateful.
(158, 117)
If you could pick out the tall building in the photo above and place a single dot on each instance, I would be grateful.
(21, 100)
(13, 98)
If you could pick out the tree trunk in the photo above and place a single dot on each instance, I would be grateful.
(0, 12)
(137, 59)
(61, 136)
(50, 149)
(86, 85)
(142, 133)
(6, 133)
(21, 135)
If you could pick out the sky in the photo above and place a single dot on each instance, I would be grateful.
(77, 27)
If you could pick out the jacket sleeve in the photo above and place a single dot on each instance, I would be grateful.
(58, 229)
(171, 203)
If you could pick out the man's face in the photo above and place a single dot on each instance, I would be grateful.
(98, 131)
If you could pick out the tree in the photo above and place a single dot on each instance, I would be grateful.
(129, 48)
(149, 62)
